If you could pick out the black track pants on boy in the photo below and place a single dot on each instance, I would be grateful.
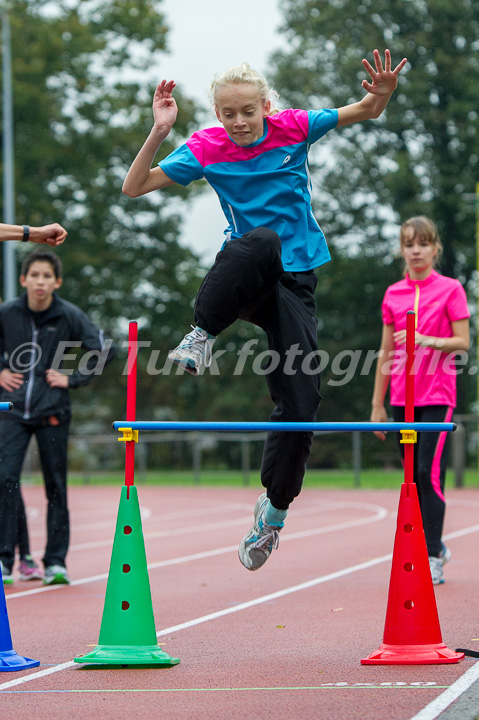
(247, 281)
(430, 464)
(52, 447)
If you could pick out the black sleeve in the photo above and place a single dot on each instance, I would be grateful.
(100, 350)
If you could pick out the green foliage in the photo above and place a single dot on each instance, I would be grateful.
(82, 85)
(420, 157)
(84, 74)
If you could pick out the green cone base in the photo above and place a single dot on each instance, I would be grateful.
(128, 655)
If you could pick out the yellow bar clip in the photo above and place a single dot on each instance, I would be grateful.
(408, 436)
(128, 435)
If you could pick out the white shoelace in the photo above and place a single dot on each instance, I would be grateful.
(266, 537)
(194, 338)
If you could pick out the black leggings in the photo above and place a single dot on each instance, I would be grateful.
(430, 464)
(247, 281)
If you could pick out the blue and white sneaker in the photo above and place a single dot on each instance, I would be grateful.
(436, 565)
(257, 545)
(194, 351)
(7, 574)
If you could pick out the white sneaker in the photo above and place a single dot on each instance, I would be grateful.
(56, 575)
(257, 545)
(436, 565)
(193, 351)
(445, 554)
(7, 575)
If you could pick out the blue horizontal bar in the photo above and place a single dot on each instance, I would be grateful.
(186, 426)
(6, 406)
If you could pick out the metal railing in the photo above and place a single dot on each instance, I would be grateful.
(201, 442)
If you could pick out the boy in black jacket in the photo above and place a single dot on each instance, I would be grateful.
(37, 331)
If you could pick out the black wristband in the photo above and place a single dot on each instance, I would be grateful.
(26, 233)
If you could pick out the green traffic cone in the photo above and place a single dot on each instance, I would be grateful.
(127, 633)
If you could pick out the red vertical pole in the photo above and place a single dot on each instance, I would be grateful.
(131, 401)
(409, 406)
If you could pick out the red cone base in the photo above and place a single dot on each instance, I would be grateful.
(412, 634)
(412, 655)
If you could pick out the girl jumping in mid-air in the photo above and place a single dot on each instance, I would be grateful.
(257, 161)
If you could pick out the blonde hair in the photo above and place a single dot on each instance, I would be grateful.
(244, 73)
(426, 230)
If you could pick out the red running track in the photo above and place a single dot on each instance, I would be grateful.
(283, 642)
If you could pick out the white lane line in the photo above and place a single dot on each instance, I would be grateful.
(218, 614)
(147, 513)
(232, 548)
(379, 514)
(37, 675)
(437, 706)
(461, 533)
(275, 595)
(208, 527)
(243, 606)
(195, 529)
(227, 549)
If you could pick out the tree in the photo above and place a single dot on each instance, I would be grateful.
(82, 108)
(420, 157)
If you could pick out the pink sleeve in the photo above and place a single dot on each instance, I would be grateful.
(388, 317)
(457, 308)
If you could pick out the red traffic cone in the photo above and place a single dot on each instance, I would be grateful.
(412, 635)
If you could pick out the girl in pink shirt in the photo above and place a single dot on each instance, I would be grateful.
(442, 331)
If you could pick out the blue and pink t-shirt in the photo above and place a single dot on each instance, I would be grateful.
(438, 301)
(263, 184)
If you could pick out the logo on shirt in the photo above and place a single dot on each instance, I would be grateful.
(286, 160)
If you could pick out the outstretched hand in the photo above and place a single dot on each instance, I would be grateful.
(383, 80)
(165, 108)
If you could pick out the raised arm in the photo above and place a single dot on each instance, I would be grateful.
(383, 83)
(141, 177)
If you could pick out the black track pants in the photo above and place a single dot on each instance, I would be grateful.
(430, 464)
(52, 446)
(247, 281)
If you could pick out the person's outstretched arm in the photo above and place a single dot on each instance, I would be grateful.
(141, 177)
(383, 83)
(53, 234)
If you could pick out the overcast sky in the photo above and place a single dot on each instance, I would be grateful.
(204, 38)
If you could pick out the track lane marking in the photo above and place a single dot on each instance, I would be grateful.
(455, 691)
(237, 608)
(338, 686)
(146, 513)
(379, 511)
(218, 614)
(437, 706)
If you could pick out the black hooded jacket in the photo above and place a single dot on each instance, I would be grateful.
(31, 343)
